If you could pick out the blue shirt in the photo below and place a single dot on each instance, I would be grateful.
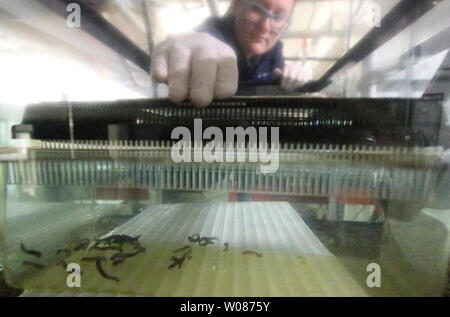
(256, 71)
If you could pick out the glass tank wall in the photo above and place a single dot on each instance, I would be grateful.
(135, 225)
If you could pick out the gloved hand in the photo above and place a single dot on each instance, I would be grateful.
(294, 75)
(195, 65)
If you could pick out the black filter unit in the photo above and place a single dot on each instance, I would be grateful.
(393, 122)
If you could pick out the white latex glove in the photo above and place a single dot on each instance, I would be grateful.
(196, 65)
(294, 75)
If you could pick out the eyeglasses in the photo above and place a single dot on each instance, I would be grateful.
(257, 14)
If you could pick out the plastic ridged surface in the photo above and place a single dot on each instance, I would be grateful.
(136, 145)
(312, 175)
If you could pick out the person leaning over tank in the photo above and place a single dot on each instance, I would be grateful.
(242, 47)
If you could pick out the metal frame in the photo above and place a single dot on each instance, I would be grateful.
(97, 26)
(401, 16)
